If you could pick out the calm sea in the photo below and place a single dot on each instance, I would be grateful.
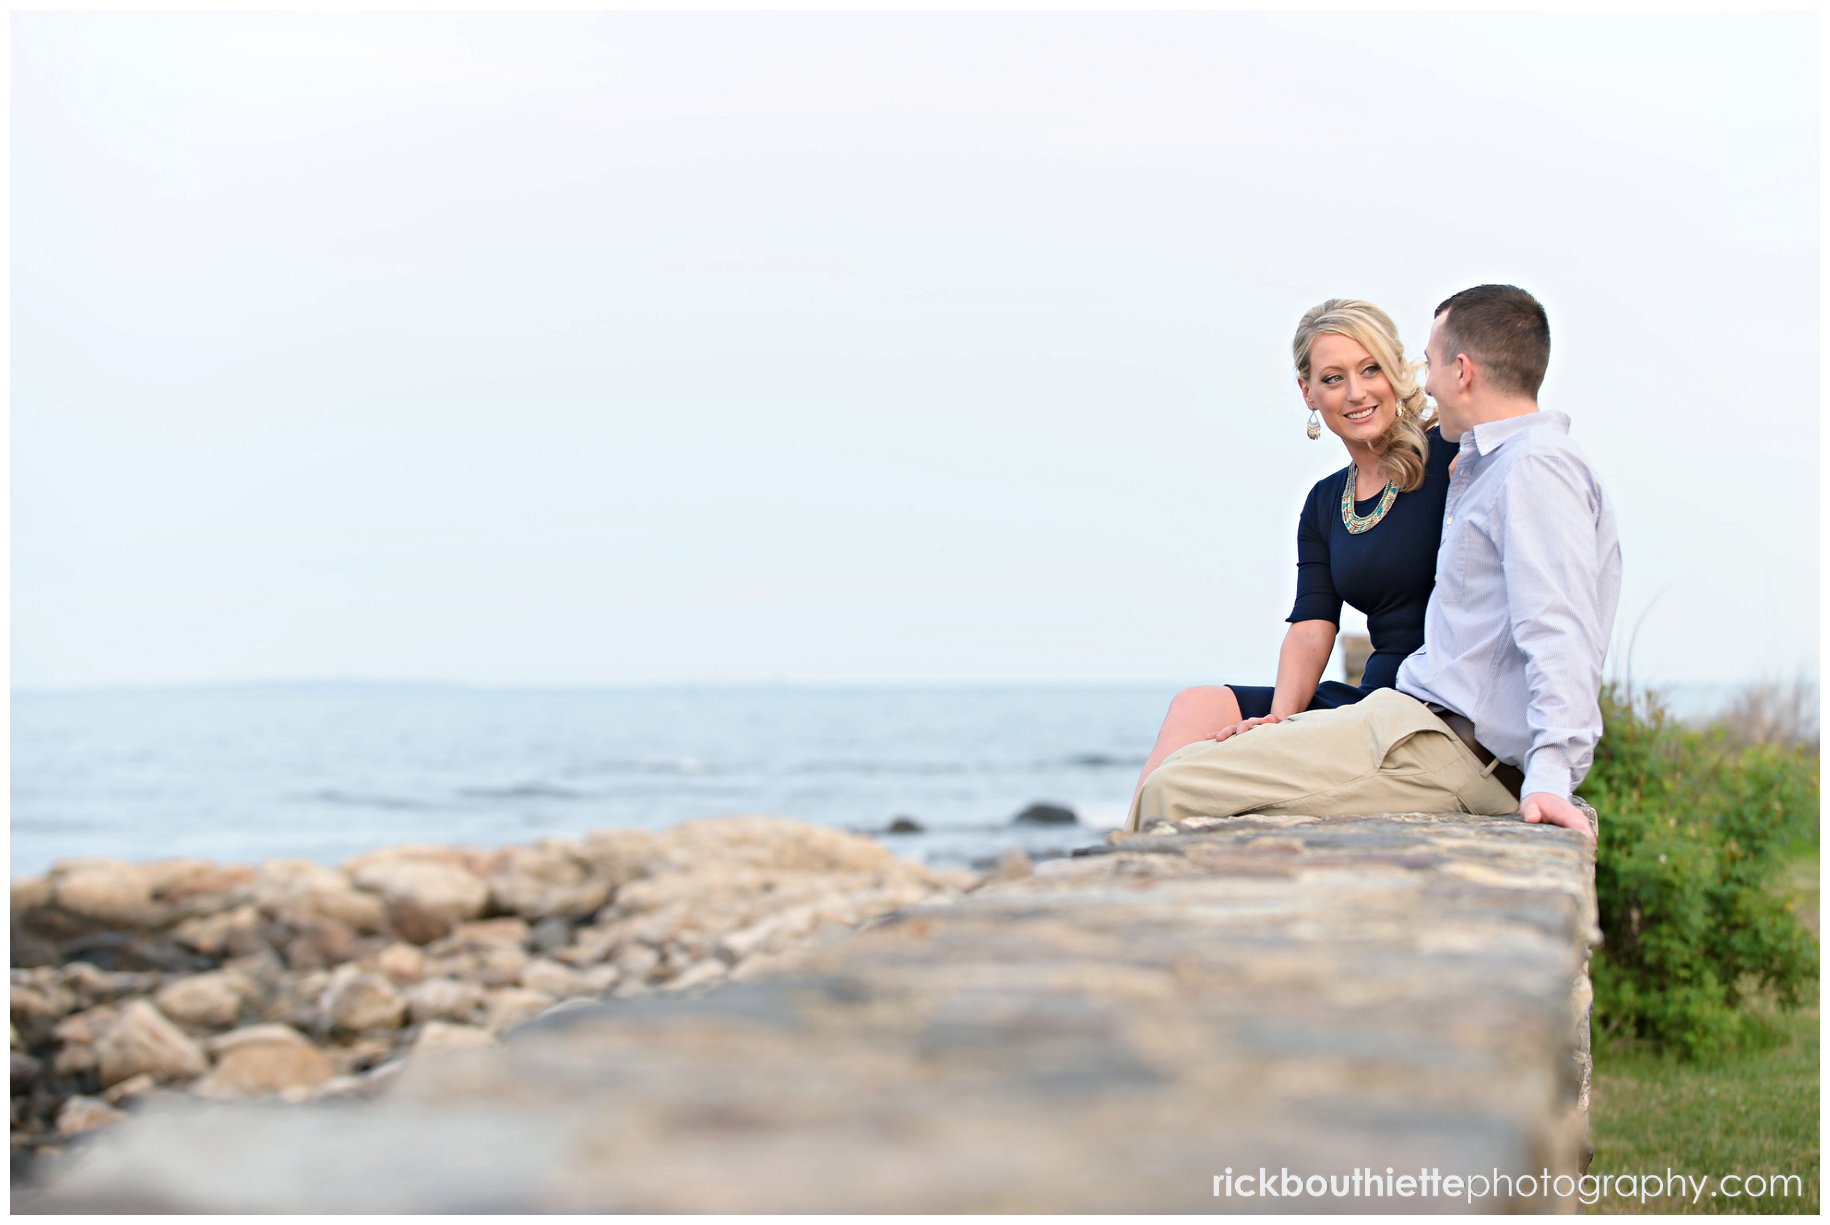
(325, 771)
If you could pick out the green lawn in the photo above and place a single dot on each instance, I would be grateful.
(1750, 1114)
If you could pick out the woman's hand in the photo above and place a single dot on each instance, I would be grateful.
(1246, 726)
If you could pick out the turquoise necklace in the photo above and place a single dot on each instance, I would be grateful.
(1364, 523)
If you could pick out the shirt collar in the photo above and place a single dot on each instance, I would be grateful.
(1489, 436)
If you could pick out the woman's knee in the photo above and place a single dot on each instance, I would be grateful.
(1202, 697)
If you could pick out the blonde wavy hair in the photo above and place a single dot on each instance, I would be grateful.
(1403, 449)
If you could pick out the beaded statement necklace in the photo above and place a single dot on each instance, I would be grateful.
(1364, 523)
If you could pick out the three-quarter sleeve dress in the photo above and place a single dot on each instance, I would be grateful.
(1387, 572)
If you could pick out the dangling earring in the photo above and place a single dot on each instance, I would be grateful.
(1315, 424)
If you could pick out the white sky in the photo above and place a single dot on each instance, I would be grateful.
(594, 348)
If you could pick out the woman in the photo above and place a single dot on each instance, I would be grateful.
(1368, 534)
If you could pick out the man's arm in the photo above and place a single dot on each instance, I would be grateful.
(1552, 555)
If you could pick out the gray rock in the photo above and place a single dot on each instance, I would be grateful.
(1045, 814)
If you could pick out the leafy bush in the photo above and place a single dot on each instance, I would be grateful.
(1694, 827)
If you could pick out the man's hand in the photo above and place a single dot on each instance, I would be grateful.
(1544, 808)
(1227, 732)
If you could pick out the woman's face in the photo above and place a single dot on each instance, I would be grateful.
(1349, 389)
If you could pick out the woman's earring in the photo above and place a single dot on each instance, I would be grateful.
(1315, 424)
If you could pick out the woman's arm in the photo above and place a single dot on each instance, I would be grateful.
(1307, 645)
(1300, 664)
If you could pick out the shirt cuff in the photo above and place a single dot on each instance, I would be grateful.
(1547, 769)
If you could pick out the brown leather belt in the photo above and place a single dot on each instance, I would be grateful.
(1508, 776)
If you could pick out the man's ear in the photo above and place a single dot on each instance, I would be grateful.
(1464, 372)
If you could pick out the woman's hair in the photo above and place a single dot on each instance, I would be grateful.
(1403, 449)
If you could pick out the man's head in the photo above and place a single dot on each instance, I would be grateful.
(1488, 351)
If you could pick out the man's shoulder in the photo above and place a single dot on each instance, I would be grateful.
(1542, 451)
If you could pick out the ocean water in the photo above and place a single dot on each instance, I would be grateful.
(326, 771)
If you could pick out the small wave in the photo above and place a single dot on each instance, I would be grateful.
(687, 766)
(1102, 761)
(521, 791)
(357, 799)
(916, 768)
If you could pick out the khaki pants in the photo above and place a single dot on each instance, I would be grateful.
(1385, 753)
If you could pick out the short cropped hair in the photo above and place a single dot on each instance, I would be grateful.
(1505, 331)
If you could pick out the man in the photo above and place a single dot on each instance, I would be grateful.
(1499, 711)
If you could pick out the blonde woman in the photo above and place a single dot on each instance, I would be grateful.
(1367, 536)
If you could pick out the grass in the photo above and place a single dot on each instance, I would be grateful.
(1753, 1113)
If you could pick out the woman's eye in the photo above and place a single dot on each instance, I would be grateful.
(1370, 370)
(1332, 378)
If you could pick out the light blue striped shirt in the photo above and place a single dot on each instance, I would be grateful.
(1527, 581)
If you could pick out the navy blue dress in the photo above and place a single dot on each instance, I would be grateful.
(1386, 572)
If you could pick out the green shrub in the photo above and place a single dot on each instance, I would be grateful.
(1694, 828)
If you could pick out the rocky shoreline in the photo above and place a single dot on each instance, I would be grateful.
(133, 983)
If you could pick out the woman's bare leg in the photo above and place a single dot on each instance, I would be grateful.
(1194, 714)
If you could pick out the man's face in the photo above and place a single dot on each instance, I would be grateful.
(1443, 383)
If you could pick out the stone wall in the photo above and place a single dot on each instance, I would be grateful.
(1115, 1032)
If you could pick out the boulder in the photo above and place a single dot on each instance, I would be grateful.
(413, 923)
(621, 855)
(254, 1035)
(108, 891)
(30, 893)
(44, 1004)
(361, 1001)
(1046, 814)
(299, 888)
(318, 942)
(130, 1089)
(198, 883)
(501, 966)
(75, 1061)
(509, 931)
(551, 978)
(905, 825)
(143, 1040)
(88, 983)
(86, 1028)
(438, 890)
(236, 932)
(550, 879)
(773, 842)
(699, 974)
(599, 978)
(399, 963)
(262, 1060)
(635, 963)
(442, 1037)
(443, 999)
(411, 852)
(206, 1001)
(507, 1007)
(80, 1114)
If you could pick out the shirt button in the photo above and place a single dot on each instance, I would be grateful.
(1449, 522)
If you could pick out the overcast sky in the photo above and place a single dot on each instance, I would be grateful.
(635, 347)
